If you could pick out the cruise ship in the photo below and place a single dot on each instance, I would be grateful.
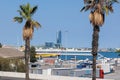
(53, 52)
(62, 50)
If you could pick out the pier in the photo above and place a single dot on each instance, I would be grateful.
(77, 54)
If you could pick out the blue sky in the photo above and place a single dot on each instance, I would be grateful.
(55, 15)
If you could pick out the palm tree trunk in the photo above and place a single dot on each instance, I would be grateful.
(95, 49)
(27, 54)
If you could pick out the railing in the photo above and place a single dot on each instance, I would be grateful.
(43, 77)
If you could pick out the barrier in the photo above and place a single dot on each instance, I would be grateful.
(101, 73)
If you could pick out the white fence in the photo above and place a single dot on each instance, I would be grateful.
(43, 77)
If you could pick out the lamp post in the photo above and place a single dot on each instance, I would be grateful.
(66, 44)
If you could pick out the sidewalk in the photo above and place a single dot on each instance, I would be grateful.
(115, 75)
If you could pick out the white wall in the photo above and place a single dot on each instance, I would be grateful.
(45, 77)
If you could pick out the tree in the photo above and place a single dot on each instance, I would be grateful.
(118, 52)
(12, 64)
(4, 64)
(98, 9)
(32, 54)
(0, 45)
(26, 12)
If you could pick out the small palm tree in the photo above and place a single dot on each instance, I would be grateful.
(98, 9)
(26, 12)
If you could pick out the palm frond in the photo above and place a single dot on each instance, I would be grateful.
(18, 19)
(22, 7)
(103, 15)
(106, 10)
(28, 9)
(36, 24)
(88, 1)
(28, 6)
(102, 5)
(110, 9)
(22, 14)
(87, 7)
(82, 9)
(25, 10)
(33, 10)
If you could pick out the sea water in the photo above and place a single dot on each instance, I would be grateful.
(79, 57)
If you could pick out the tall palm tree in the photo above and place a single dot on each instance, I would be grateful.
(98, 9)
(26, 12)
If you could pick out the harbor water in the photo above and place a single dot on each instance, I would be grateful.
(83, 57)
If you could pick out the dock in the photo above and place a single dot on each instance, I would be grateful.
(77, 54)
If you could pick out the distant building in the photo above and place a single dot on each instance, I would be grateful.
(49, 45)
(59, 39)
(58, 43)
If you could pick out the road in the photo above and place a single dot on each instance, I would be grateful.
(9, 78)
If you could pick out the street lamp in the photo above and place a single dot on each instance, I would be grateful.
(66, 44)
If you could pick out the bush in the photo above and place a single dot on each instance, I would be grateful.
(0, 45)
(12, 65)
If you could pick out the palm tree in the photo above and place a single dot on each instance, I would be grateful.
(98, 9)
(26, 12)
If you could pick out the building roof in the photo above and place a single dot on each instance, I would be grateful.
(11, 53)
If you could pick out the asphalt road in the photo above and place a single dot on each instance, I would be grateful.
(9, 78)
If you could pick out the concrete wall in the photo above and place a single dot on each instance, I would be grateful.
(61, 71)
(43, 77)
(35, 71)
